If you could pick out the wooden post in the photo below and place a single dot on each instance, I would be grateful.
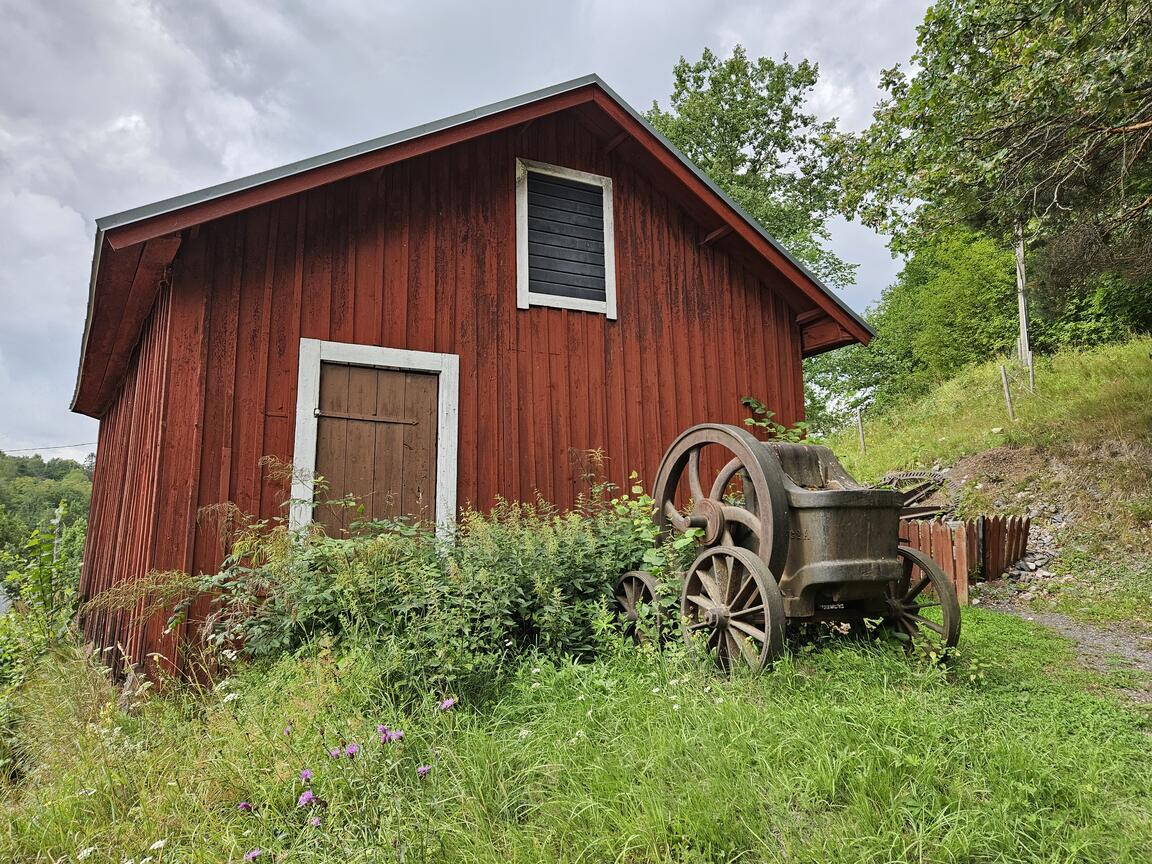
(1007, 393)
(860, 431)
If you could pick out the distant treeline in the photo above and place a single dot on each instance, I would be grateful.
(31, 489)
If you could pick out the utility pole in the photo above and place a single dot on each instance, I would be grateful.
(1022, 346)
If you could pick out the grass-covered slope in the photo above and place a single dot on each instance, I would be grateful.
(1078, 460)
(1096, 395)
(841, 754)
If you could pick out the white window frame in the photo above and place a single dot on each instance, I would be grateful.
(313, 352)
(526, 298)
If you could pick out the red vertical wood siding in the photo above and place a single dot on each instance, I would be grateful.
(421, 255)
(126, 491)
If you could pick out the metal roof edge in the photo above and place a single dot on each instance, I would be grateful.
(220, 190)
(168, 205)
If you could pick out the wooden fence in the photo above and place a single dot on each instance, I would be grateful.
(979, 548)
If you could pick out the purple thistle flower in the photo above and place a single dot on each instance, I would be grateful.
(306, 798)
(306, 776)
(335, 754)
(314, 821)
(253, 854)
(395, 735)
(351, 750)
(244, 807)
(447, 704)
(423, 770)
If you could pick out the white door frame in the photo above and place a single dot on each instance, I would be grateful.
(313, 352)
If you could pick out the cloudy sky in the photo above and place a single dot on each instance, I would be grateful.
(109, 104)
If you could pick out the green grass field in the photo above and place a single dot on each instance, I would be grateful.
(1087, 396)
(843, 753)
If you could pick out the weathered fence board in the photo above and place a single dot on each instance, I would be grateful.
(980, 548)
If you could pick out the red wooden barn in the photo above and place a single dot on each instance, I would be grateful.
(430, 319)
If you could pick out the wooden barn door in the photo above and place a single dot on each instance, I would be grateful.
(376, 440)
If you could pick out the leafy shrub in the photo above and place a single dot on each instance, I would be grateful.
(524, 576)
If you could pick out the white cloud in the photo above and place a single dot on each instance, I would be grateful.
(111, 105)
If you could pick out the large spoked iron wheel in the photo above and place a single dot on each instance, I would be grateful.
(922, 604)
(724, 481)
(635, 595)
(730, 603)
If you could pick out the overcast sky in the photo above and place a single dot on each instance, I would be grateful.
(109, 104)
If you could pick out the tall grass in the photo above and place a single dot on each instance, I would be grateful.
(845, 753)
(1097, 394)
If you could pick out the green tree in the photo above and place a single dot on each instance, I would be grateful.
(31, 489)
(1036, 112)
(951, 305)
(744, 123)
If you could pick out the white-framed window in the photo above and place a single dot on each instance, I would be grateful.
(318, 357)
(565, 252)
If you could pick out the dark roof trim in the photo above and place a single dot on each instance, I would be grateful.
(169, 205)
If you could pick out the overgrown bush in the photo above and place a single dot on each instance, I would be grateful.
(445, 610)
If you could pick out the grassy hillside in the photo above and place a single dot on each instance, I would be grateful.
(1077, 460)
(1081, 398)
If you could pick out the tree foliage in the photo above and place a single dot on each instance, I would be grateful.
(744, 123)
(31, 489)
(951, 305)
(1029, 111)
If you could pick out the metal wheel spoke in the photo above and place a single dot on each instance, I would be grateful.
(734, 644)
(751, 656)
(754, 632)
(694, 474)
(927, 622)
(701, 601)
(740, 516)
(920, 586)
(710, 586)
(739, 597)
(678, 520)
(751, 610)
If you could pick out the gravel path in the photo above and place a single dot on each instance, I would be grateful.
(1100, 648)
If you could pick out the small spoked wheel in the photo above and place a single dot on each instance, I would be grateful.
(636, 591)
(732, 604)
(929, 619)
